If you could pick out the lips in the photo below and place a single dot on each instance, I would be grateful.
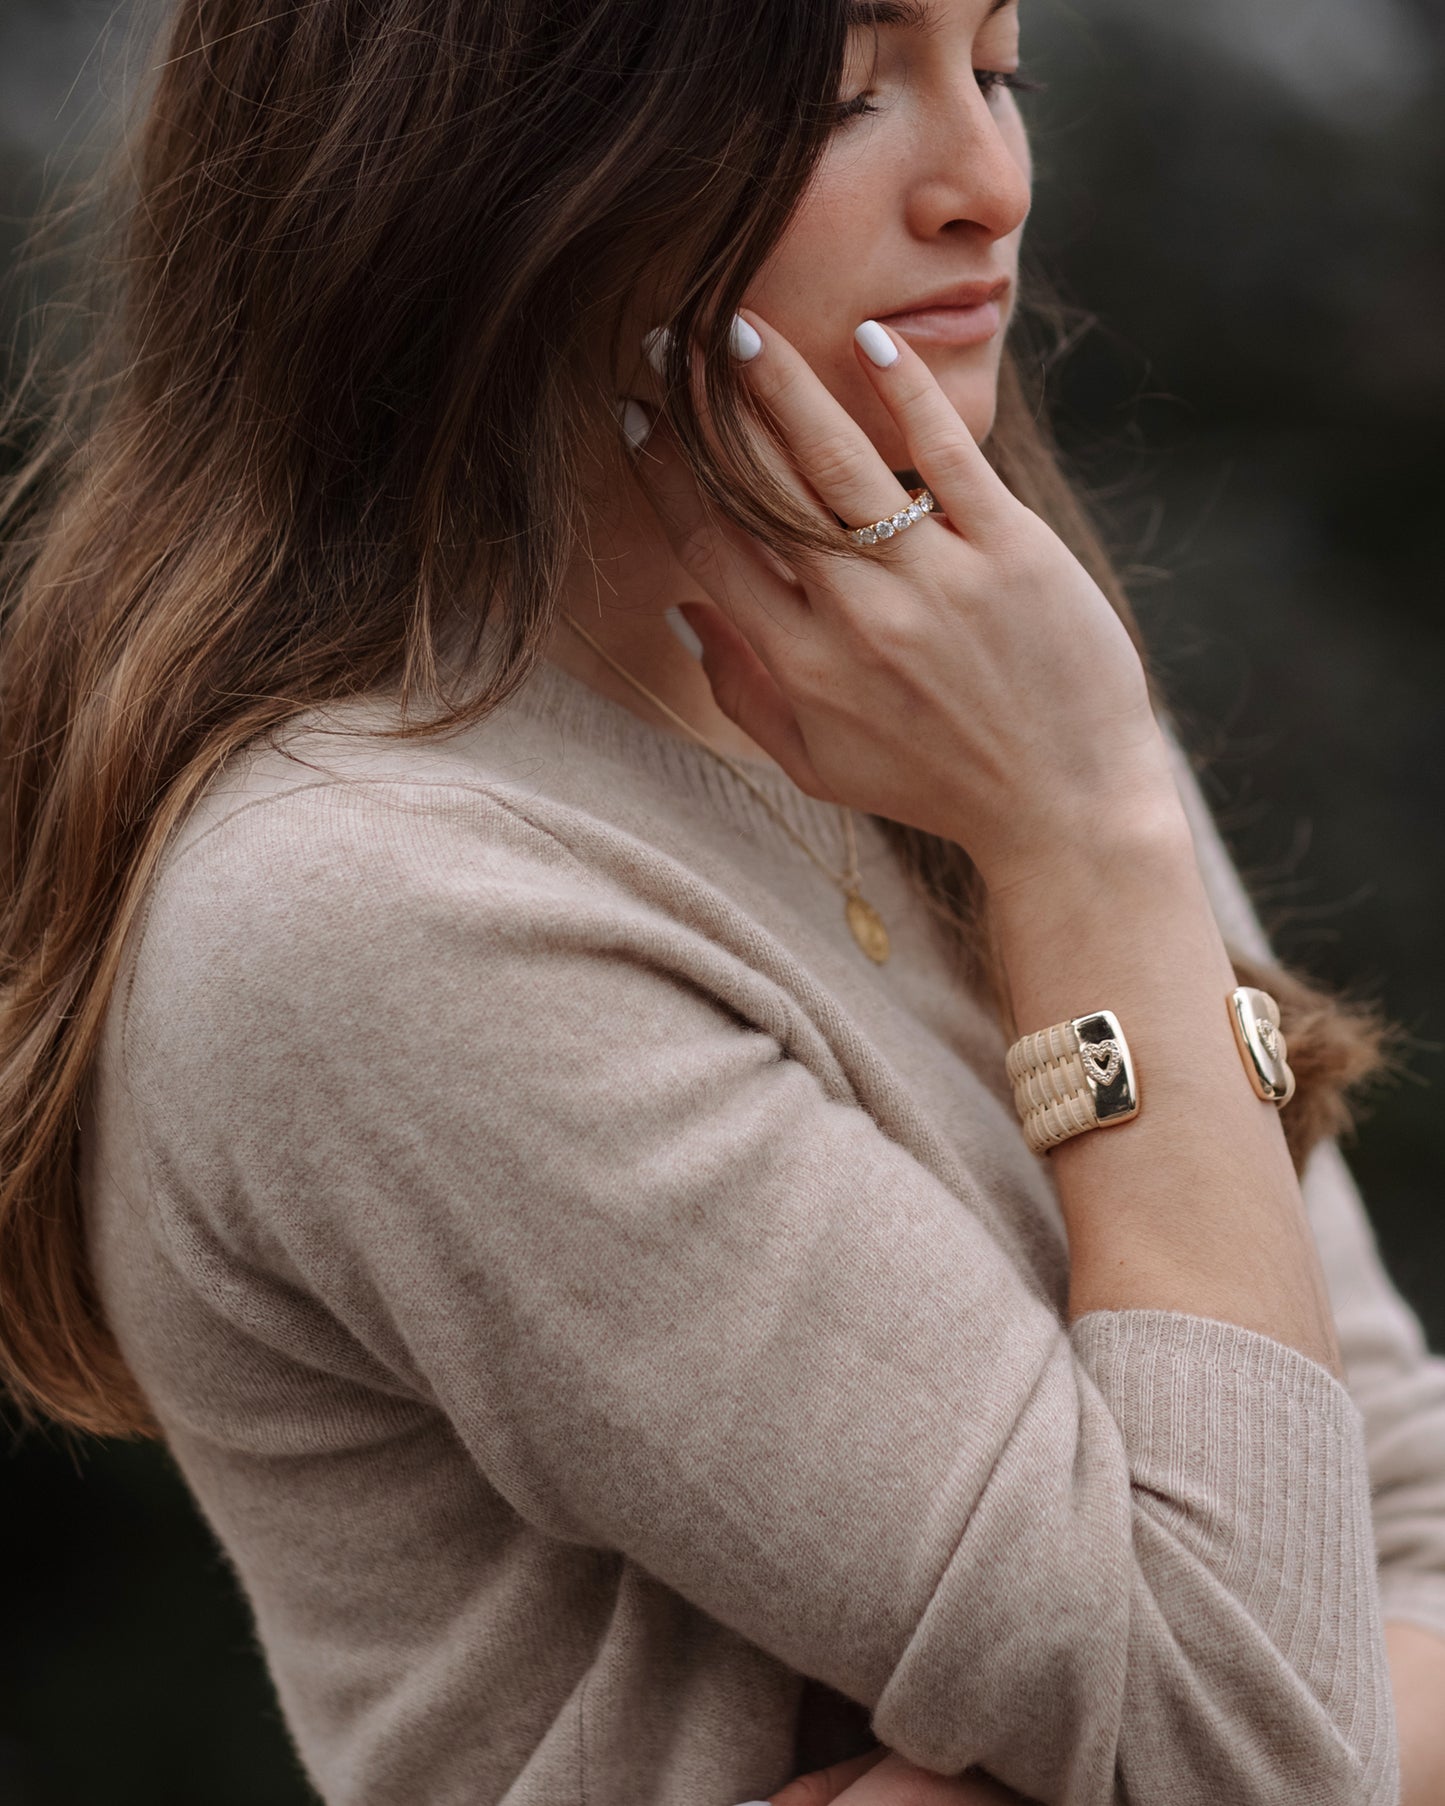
(969, 314)
(961, 295)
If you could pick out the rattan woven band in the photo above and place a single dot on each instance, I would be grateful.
(1054, 1099)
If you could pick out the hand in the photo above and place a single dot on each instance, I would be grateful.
(1417, 1674)
(881, 1777)
(967, 677)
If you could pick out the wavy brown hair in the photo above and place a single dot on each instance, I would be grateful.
(339, 269)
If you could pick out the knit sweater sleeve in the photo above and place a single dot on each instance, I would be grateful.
(576, 1177)
(1397, 1382)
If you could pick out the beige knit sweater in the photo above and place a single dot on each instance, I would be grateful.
(616, 1331)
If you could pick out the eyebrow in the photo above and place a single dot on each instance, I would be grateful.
(915, 14)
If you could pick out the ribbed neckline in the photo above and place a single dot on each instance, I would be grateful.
(575, 710)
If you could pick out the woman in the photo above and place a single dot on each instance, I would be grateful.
(523, 1111)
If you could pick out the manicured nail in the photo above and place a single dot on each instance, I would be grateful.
(743, 340)
(635, 421)
(682, 627)
(876, 344)
(654, 347)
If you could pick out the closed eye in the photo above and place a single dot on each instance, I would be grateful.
(991, 81)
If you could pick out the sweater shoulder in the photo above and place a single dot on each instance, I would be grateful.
(337, 846)
(316, 797)
(314, 887)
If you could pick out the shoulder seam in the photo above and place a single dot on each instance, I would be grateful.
(476, 788)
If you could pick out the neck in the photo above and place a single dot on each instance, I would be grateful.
(619, 587)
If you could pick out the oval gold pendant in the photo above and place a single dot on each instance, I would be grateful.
(868, 929)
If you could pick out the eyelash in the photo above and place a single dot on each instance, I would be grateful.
(990, 80)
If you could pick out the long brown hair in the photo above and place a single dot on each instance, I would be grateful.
(341, 263)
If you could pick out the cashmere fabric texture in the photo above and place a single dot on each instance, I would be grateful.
(616, 1332)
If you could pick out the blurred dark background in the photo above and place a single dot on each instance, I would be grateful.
(1244, 204)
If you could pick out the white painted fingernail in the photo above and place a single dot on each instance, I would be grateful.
(635, 421)
(654, 347)
(876, 344)
(743, 340)
(682, 627)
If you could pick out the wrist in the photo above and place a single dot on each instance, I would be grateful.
(1072, 822)
(1123, 923)
(1137, 856)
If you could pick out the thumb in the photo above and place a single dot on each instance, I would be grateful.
(826, 1784)
(747, 693)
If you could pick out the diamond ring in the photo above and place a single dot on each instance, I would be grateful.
(921, 503)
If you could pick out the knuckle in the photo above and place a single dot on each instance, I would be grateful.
(914, 384)
(807, 1790)
(780, 381)
(946, 459)
(830, 461)
(1027, 554)
(805, 673)
(922, 1787)
(918, 1788)
(881, 644)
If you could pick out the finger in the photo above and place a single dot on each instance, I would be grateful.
(830, 449)
(745, 691)
(894, 1779)
(729, 565)
(942, 449)
(764, 449)
(826, 1784)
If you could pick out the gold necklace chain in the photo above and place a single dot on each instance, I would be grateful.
(863, 919)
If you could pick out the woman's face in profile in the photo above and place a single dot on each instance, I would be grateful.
(926, 194)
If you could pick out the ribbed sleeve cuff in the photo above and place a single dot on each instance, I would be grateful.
(1189, 1589)
(1253, 1455)
(1141, 1358)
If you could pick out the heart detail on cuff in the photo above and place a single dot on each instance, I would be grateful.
(1101, 1060)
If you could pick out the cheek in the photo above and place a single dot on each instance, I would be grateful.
(1015, 135)
(829, 233)
(821, 279)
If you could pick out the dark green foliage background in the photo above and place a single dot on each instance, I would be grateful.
(1252, 201)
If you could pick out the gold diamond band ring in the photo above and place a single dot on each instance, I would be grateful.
(920, 503)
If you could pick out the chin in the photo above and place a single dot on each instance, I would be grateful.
(975, 401)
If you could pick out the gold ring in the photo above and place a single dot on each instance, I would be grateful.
(921, 502)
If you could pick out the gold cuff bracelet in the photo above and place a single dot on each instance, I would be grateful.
(1079, 1075)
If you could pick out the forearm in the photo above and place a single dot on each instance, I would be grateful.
(1417, 1674)
(1194, 1205)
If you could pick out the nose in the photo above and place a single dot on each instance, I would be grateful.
(972, 166)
